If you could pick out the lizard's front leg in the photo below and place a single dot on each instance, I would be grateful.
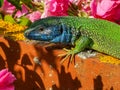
(80, 44)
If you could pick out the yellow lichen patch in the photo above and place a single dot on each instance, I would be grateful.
(109, 59)
(16, 36)
(13, 31)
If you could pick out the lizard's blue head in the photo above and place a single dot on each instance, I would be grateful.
(49, 29)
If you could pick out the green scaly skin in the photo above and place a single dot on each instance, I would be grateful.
(100, 35)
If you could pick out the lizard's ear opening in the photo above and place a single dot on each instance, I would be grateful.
(61, 29)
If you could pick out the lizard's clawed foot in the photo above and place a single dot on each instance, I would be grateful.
(67, 54)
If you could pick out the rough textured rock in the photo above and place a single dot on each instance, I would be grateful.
(39, 68)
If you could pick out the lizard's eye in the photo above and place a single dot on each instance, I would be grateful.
(41, 28)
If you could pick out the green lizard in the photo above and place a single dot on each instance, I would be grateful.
(100, 35)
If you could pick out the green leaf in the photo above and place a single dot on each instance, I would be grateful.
(9, 18)
(1, 3)
(24, 21)
(16, 3)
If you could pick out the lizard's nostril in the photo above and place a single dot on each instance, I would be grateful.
(26, 33)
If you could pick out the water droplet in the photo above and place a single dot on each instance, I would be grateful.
(53, 81)
(50, 88)
(36, 60)
(50, 75)
(76, 65)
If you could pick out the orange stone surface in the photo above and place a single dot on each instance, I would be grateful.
(39, 68)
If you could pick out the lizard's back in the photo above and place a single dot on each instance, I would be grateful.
(105, 34)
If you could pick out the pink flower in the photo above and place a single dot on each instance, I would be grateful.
(106, 9)
(34, 16)
(21, 12)
(55, 8)
(7, 7)
(6, 80)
